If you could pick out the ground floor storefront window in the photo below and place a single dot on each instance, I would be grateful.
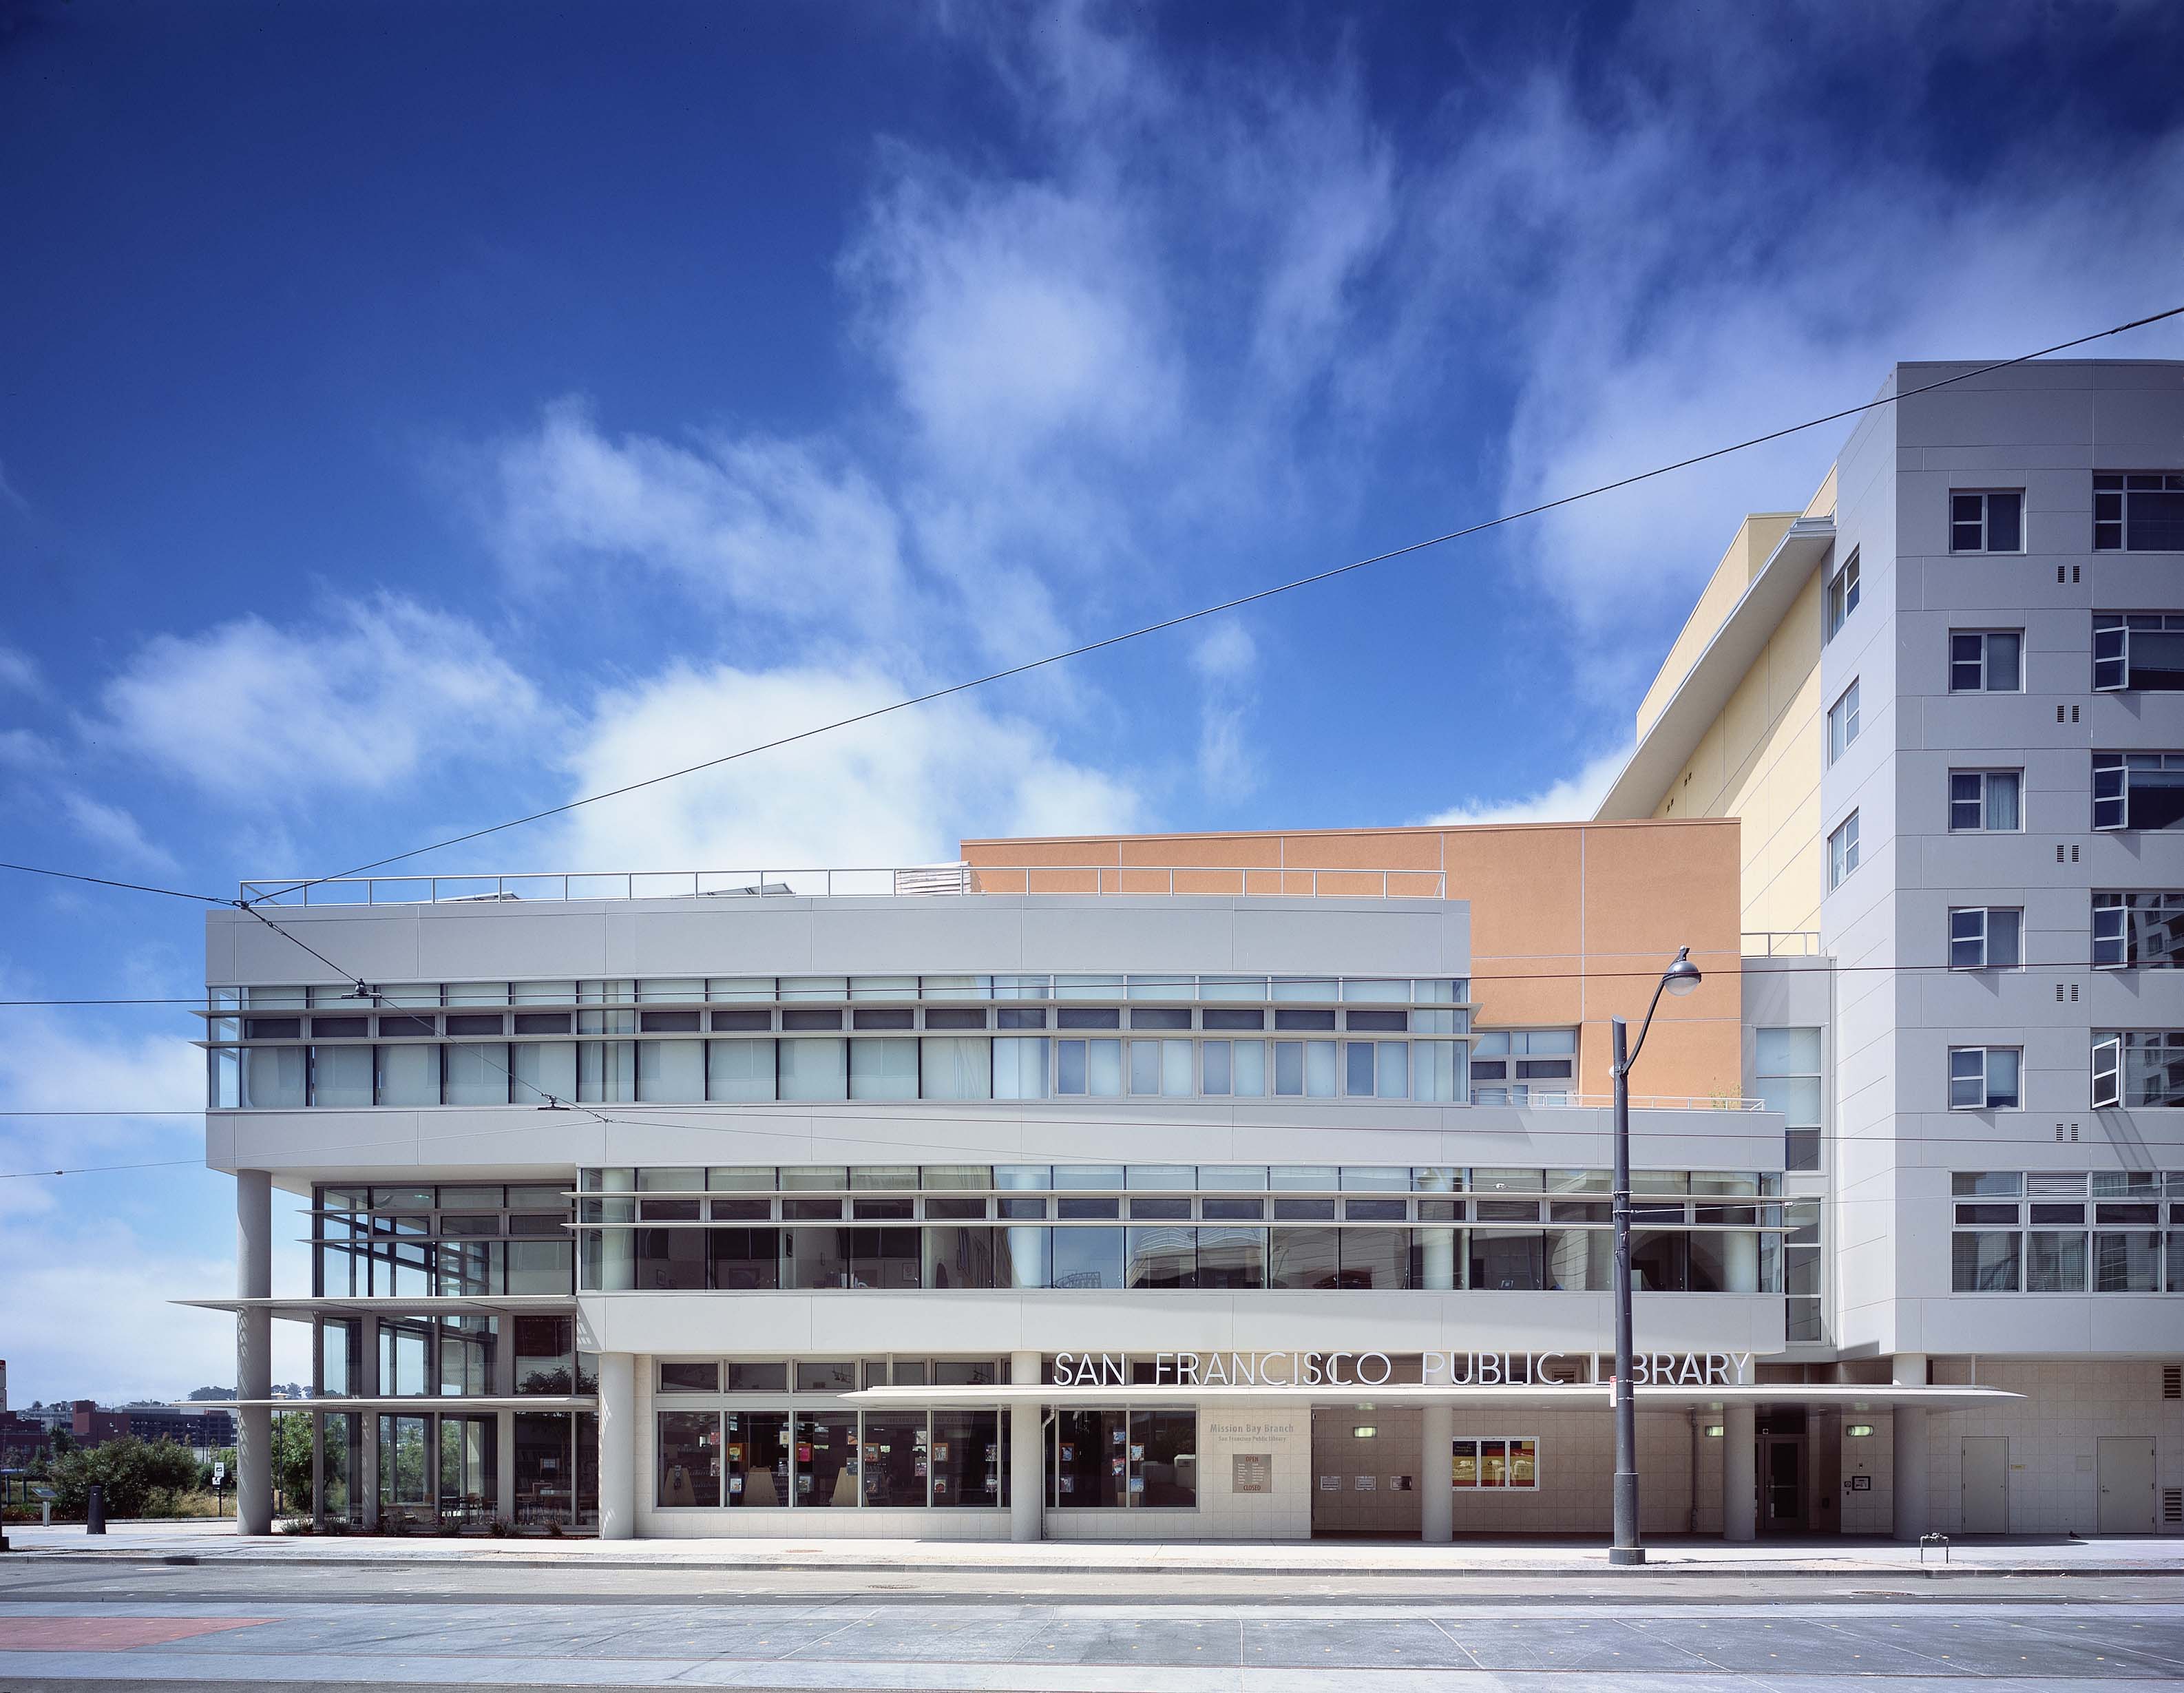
(829, 1458)
(1121, 1459)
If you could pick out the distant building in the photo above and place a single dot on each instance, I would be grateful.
(23, 1440)
(201, 1431)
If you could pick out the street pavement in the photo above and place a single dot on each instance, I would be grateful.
(129, 1619)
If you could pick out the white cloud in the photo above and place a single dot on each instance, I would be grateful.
(1226, 660)
(904, 789)
(784, 530)
(112, 828)
(19, 671)
(252, 712)
(23, 749)
(1572, 798)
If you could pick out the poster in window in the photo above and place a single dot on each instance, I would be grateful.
(940, 1451)
(1069, 1451)
(1137, 1454)
(940, 1487)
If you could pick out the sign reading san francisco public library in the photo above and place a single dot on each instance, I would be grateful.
(1378, 1369)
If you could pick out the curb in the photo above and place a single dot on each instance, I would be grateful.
(777, 1567)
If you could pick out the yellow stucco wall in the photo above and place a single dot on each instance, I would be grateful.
(1755, 537)
(1760, 761)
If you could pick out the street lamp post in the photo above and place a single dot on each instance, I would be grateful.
(1679, 978)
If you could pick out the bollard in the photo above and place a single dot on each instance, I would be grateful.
(94, 1516)
(47, 1505)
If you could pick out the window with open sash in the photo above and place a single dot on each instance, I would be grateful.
(2138, 790)
(2138, 651)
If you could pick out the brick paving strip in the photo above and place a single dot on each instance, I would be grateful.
(110, 1634)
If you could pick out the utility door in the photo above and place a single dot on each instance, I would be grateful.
(1781, 1483)
(1986, 1485)
(2126, 1467)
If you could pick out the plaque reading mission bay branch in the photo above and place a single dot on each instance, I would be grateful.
(1252, 1472)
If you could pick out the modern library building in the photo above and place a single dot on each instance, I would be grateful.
(1258, 1185)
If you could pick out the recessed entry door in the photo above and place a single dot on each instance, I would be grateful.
(1986, 1462)
(2126, 1476)
(1781, 1483)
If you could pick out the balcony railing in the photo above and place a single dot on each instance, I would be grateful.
(865, 881)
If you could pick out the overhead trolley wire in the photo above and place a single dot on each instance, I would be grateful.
(1232, 605)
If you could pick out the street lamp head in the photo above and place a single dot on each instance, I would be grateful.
(1681, 977)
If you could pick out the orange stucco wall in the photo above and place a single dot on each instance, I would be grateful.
(1570, 922)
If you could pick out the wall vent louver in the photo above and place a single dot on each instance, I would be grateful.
(2172, 1381)
(2172, 1505)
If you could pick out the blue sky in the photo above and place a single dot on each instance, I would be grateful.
(413, 414)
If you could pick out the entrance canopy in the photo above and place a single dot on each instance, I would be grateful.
(1576, 1396)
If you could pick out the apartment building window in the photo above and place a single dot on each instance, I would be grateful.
(2138, 931)
(1985, 800)
(1986, 938)
(1988, 522)
(2138, 511)
(1987, 660)
(1842, 595)
(1983, 1079)
(1842, 722)
(1786, 1072)
(1842, 851)
(2139, 651)
(2138, 790)
(2138, 1069)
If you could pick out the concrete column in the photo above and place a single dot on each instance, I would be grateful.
(1436, 1491)
(617, 1445)
(503, 1443)
(318, 1470)
(253, 1353)
(1909, 1482)
(1027, 1453)
(1740, 1473)
(366, 1482)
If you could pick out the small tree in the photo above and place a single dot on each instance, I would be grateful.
(134, 1473)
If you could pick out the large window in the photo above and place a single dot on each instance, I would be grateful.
(2138, 511)
(1986, 938)
(1502, 1460)
(1987, 660)
(2139, 651)
(1786, 1072)
(1121, 1459)
(1985, 800)
(2138, 931)
(1152, 1228)
(1842, 722)
(1842, 851)
(1524, 1067)
(2138, 790)
(1984, 1078)
(1842, 592)
(2138, 1069)
(2067, 1231)
(1986, 522)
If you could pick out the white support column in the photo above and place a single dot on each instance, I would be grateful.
(1740, 1473)
(1027, 1454)
(503, 1443)
(617, 1445)
(1909, 1481)
(366, 1480)
(1436, 1483)
(253, 1353)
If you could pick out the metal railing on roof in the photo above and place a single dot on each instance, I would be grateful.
(1781, 944)
(866, 882)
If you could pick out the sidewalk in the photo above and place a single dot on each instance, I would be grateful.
(209, 1542)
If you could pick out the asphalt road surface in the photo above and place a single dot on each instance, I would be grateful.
(80, 1625)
